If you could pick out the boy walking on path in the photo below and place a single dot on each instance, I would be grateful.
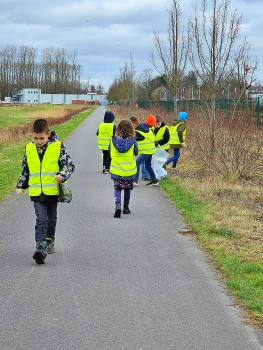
(123, 150)
(105, 131)
(146, 146)
(46, 162)
(177, 138)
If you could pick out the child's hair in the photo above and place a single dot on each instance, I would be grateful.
(125, 128)
(134, 120)
(158, 118)
(40, 126)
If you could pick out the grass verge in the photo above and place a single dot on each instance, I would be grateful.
(11, 155)
(236, 254)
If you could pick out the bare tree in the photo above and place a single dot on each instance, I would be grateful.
(212, 34)
(57, 71)
(244, 75)
(173, 58)
(144, 81)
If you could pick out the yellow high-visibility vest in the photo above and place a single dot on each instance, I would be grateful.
(174, 138)
(147, 146)
(159, 136)
(122, 164)
(105, 132)
(41, 174)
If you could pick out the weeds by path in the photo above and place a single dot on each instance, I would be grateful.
(20, 121)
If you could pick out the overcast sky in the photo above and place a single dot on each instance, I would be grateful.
(115, 29)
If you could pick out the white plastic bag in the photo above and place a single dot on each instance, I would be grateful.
(158, 160)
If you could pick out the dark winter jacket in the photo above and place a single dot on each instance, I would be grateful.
(141, 127)
(108, 118)
(166, 135)
(123, 145)
(65, 163)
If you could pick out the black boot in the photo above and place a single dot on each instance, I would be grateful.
(117, 210)
(40, 252)
(126, 209)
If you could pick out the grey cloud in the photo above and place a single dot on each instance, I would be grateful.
(115, 29)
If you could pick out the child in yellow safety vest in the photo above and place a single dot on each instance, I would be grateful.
(46, 162)
(146, 146)
(177, 139)
(161, 137)
(162, 134)
(105, 131)
(123, 169)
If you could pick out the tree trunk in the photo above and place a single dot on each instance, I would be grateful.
(213, 113)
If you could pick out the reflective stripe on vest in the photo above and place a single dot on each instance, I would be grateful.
(105, 132)
(174, 138)
(122, 164)
(159, 136)
(146, 146)
(41, 174)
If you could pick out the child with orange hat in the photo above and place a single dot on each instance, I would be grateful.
(146, 146)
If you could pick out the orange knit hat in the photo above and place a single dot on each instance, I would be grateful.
(151, 120)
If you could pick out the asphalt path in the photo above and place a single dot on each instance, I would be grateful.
(130, 283)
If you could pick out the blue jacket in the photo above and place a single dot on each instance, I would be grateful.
(142, 127)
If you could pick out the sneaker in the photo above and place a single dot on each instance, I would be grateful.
(126, 209)
(152, 183)
(174, 171)
(50, 245)
(135, 183)
(117, 210)
(103, 169)
(106, 171)
(40, 252)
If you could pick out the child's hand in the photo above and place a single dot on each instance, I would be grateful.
(20, 191)
(59, 178)
(183, 144)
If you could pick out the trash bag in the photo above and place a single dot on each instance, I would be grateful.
(65, 194)
(158, 160)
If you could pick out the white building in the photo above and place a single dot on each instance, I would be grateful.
(34, 96)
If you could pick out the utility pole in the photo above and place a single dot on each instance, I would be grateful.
(228, 92)
(246, 71)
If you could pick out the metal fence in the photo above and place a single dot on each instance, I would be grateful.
(249, 104)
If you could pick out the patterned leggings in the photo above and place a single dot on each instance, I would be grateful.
(127, 195)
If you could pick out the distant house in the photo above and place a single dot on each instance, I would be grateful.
(255, 91)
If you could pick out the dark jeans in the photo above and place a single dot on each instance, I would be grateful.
(174, 158)
(106, 159)
(145, 174)
(147, 159)
(46, 220)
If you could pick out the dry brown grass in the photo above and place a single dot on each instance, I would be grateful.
(236, 206)
(56, 116)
